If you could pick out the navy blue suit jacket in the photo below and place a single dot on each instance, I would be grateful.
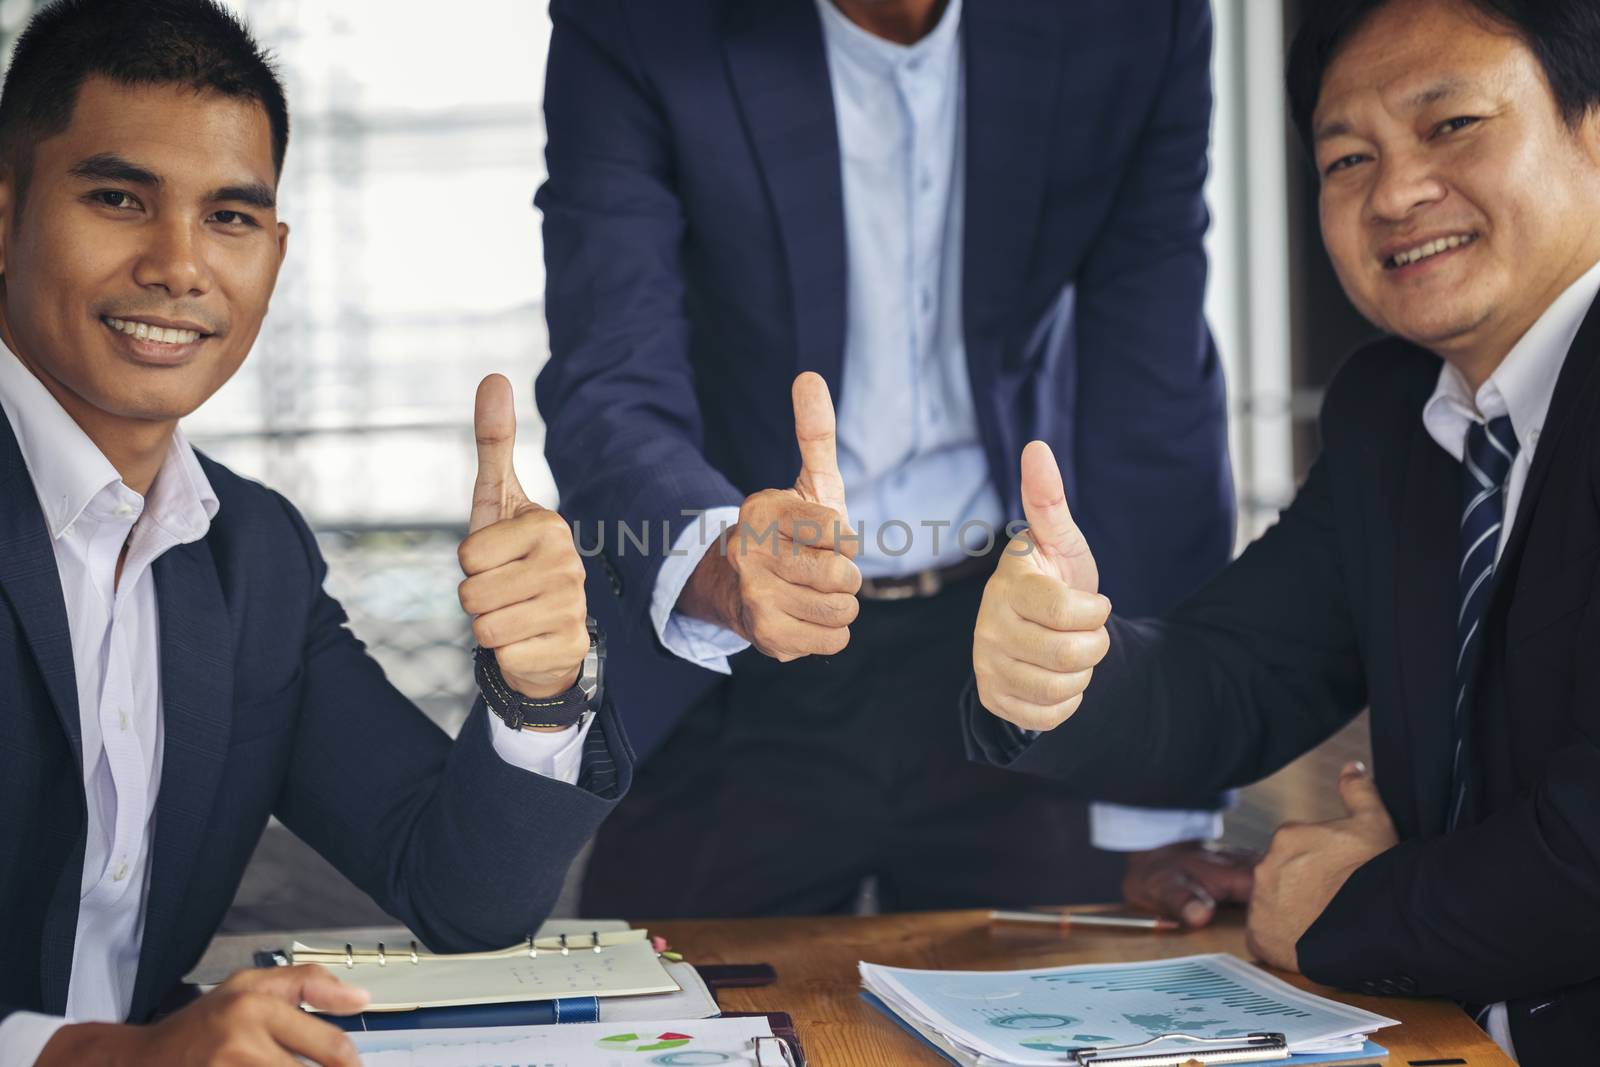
(1350, 601)
(695, 242)
(272, 707)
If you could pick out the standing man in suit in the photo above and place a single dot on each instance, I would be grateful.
(171, 672)
(971, 223)
(1439, 564)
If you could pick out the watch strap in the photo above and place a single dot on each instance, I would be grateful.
(518, 711)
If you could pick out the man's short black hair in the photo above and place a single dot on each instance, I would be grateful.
(1563, 35)
(131, 42)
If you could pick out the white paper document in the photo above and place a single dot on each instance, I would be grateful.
(690, 1043)
(1034, 1017)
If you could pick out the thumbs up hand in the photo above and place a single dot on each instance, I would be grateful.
(784, 579)
(524, 584)
(1041, 627)
(1308, 863)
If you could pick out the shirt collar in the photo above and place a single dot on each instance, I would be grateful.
(69, 471)
(885, 57)
(1524, 382)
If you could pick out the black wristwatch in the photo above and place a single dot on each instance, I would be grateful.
(563, 709)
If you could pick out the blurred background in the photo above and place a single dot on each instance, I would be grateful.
(415, 268)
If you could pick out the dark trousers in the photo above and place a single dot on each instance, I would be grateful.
(792, 782)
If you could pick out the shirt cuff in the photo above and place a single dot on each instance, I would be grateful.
(23, 1036)
(1116, 828)
(705, 644)
(554, 754)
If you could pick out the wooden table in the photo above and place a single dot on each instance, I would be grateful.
(819, 986)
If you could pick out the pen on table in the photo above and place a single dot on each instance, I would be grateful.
(1135, 922)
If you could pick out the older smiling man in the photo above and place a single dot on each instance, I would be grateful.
(1439, 564)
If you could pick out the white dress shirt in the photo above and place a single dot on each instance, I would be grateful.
(908, 439)
(1520, 387)
(90, 515)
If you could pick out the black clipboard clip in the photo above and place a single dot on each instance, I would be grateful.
(1207, 1050)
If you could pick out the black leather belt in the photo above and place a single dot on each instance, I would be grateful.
(928, 582)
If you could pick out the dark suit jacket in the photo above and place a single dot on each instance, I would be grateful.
(695, 242)
(1351, 600)
(272, 707)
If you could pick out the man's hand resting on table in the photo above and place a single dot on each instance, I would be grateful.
(253, 1018)
(1041, 627)
(1188, 880)
(1309, 863)
(784, 579)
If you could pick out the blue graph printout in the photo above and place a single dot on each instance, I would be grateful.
(1023, 1016)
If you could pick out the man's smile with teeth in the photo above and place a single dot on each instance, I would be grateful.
(143, 331)
(1427, 250)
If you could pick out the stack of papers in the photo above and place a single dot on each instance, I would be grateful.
(993, 1018)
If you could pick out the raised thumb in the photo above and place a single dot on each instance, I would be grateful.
(496, 494)
(820, 480)
(1044, 504)
(1359, 792)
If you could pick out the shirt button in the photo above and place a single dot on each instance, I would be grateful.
(120, 873)
(122, 721)
(123, 511)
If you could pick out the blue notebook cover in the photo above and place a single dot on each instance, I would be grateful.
(525, 1013)
(1370, 1051)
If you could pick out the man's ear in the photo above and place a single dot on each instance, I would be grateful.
(283, 242)
(8, 201)
(1588, 133)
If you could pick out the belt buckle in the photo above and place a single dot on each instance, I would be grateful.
(924, 583)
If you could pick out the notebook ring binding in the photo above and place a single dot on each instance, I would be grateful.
(381, 950)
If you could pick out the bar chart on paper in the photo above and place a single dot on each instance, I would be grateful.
(1021, 1015)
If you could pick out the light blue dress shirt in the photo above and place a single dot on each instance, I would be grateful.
(915, 472)
(909, 447)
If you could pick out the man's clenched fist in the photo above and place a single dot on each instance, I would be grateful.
(1041, 626)
(524, 585)
(1308, 863)
(784, 579)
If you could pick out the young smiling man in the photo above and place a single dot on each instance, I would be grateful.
(171, 673)
(1439, 564)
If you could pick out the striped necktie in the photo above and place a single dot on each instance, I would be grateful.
(1491, 448)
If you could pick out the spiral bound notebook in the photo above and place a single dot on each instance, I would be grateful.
(404, 977)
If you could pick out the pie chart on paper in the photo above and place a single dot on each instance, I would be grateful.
(646, 1042)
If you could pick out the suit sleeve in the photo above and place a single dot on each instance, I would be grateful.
(468, 850)
(1150, 456)
(1256, 668)
(624, 424)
